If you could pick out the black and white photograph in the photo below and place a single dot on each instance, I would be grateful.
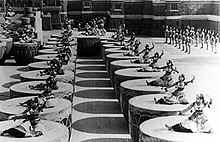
(109, 70)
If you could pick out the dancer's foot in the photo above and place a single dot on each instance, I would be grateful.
(147, 83)
(168, 127)
(155, 100)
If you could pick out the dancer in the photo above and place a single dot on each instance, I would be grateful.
(145, 57)
(198, 122)
(178, 96)
(167, 79)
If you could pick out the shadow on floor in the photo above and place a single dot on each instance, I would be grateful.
(99, 107)
(108, 140)
(24, 69)
(92, 75)
(94, 83)
(90, 62)
(96, 94)
(9, 84)
(4, 96)
(102, 125)
(92, 68)
(15, 76)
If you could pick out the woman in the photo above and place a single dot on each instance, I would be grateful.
(166, 80)
(153, 64)
(31, 126)
(198, 121)
(145, 57)
(178, 96)
(134, 49)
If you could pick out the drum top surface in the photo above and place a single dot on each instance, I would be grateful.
(51, 42)
(39, 65)
(46, 57)
(49, 47)
(108, 42)
(86, 37)
(132, 72)
(113, 45)
(156, 128)
(36, 75)
(147, 102)
(140, 85)
(48, 51)
(121, 56)
(12, 106)
(60, 131)
(127, 63)
(24, 87)
(115, 50)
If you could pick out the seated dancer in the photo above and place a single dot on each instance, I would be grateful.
(197, 122)
(55, 69)
(145, 56)
(50, 82)
(166, 80)
(134, 49)
(31, 126)
(153, 63)
(178, 96)
(42, 99)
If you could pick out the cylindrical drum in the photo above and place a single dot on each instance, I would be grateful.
(7, 49)
(47, 51)
(61, 108)
(142, 108)
(51, 43)
(54, 132)
(64, 90)
(67, 77)
(45, 57)
(121, 64)
(110, 46)
(53, 39)
(46, 64)
(49, 46)
(132, 88)
(56, 36)
(2, 49)
(24, 52)
(129, 74)
(154, 130)
(116, 56)
(88, 46)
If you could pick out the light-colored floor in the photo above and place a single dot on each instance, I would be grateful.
(96, 115)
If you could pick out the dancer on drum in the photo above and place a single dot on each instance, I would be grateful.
(31, 126)
(134, 49)
(153, 64)
(198, 122)
(167, 79)
(145, 57)
(178, 96)
(50, 82)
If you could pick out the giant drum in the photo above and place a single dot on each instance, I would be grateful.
(24, 52)
(45, 57)
(110, 46)
(122, 64)
(142, 108)
(55, 132)
(154, 130)
(67, 77)
(71, 66)
(2, 51)
(116, 56)
(132, 88)
(9, 44)
(129, 74)
(64, 90)
(47, 51)
(88, 46)
(61, 109)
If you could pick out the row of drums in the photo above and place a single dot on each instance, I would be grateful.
(145, 118)
(58, 119)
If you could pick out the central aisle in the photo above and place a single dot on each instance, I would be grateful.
(96, 116)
